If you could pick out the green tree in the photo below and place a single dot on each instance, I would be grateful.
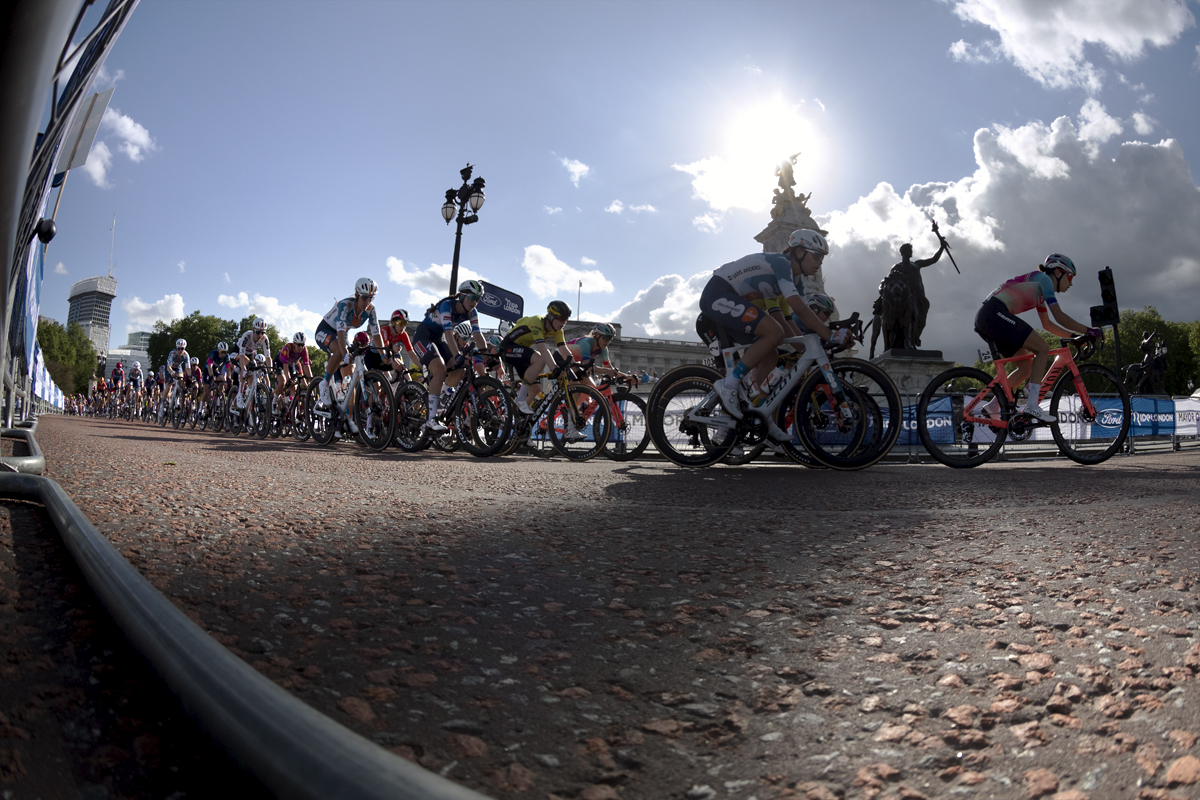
(202, 332)
(275, 341)
(69, 355)
(1182, 340)
(318, 357)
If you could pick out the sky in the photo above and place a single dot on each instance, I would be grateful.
(261, 156)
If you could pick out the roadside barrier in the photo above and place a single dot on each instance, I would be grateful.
(294, 750)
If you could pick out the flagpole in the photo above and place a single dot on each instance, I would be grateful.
(578, 304)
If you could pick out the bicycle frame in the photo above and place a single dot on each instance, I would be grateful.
(1062, 360)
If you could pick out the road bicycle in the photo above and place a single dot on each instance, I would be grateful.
(255, 415)
(290, 416)
(478, 413)
(212, 412)
(630, 436)
(363, 405)
(846, 413)
(574, 419)
(965, 415)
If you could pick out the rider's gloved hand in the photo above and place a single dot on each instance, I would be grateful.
(1096, 333)
(458, 362)
(840, 337)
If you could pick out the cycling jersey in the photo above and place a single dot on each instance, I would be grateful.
(391, 337)
(178, 360)
(760, 276)
(118, 374)
(135, 378)
(246, 345)
(587, 350)
(216, 360)
(343, 317)
(293, 353)
(528, 331)
(444, 317)
(1033, 290)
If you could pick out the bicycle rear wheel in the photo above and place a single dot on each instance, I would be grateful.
(409, 433)
(298, 414)
(686, 421)
(485, 419)
(320, 420)
(372, 409)
(262, 411)
(1090, 438)
(630, 438)
(940, 424)
(861, 432)
(580, 423)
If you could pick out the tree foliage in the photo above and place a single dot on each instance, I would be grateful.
(69, 355)
(202, 332)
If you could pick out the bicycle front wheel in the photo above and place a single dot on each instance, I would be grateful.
(262, 411)
(580, 423)
(629, 438)
(485, 419)
(373, 404)
(320, 420)
(686, 421)
(1084, 437)
(948, 438)
(858, 433)
(409, 433)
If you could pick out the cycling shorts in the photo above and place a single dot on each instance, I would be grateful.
(325, 335)
(996, 323)
(426, 347)
(721, 304)
(517, 358)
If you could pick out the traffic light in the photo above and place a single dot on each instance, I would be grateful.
(1108, 313)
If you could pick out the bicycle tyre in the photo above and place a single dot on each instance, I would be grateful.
(408, 429)
(262, 411)
(690, 442)
(874, 432)
(1084, 447)
(373, 410)
(794, 448)
(964, 448)
(484, 422)
(585, 409)
(298, 414)
(320, 423)
(633, 436)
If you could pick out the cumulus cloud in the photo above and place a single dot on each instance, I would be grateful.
(1047, 39)
(182, 267)
(98, 163)
(1095, 123)
(287, 319)
(1036, 189)
(667, 308)
(135, 140)
(1143, 123)
(548, 276)
(587, 261)
(709, 222)
(984, 53)
(616, 207)
(104, 79)
(426, 285)
(60, 268)
(555, 210)
(143, 315)
(576, 169)
(227, 278)
(1196, 63)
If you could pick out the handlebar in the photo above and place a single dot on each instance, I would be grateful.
(1085, 346)
(854, 325)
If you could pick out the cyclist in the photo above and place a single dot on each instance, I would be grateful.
(727, 297)
(594, 347)
(178, 361)
(332, 330)
(398, 343)
(526, 350)
(118, 376)
(292, 361)
(996, 321)
(434, 343)
(252, 341)
(214, 368)
(135, 383)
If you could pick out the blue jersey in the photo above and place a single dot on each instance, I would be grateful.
(217, 360)
(443, 318)
(762, 276)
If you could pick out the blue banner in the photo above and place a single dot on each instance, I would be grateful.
(501, 303)
(1152, 417)
(33, 298)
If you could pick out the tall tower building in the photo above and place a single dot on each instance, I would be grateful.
(91, 301)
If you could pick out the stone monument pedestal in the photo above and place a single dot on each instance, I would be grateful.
(911, 370)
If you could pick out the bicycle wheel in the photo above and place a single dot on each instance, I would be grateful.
(409, 433)
(321, 422)
(743, 454)
(193, 417)
(630, 438)
(686, 421)
(580, 422)
(484, 422)
(1083, 437)
(298, 415)
(940, 424)
(854, 435)
(262, 411)
(793, 448)
(372, 409)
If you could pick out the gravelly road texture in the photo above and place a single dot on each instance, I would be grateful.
(545, 629)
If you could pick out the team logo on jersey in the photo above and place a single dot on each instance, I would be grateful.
(723, 306)
(750, 315)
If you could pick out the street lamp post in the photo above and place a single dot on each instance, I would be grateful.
(455, 208)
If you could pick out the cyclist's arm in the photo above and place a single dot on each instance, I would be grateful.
(789, 327)
(1063, 319)
(810, 320)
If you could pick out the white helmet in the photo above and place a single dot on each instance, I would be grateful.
(181, 344)
(809, 240)
(299, 338)
(463, 329)
(222, 347)
(195, 361)
(366, 286)
(260, 359)
(259, 324)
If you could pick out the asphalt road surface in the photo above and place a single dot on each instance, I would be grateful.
(540, 628)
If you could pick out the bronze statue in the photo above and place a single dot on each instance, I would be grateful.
(902, 307)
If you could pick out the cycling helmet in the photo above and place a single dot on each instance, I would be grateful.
(299, 338)
(819, 302)
(495, 340)
(558, 308)
(362, 339)
(222, 347)
(195, 361)
(400, 314)
(181, 344)
(472, 287)
(1059, 261)
(605, 330)
(809, 240)
(463, 329)
(260, 359)
(366, 286)
(259, 324)
(119, 364)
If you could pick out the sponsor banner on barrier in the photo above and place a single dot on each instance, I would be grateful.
(1152, 416)
(1187, 416)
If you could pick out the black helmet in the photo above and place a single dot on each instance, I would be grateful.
(558, 308)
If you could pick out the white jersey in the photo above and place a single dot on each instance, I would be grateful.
(247, 345)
